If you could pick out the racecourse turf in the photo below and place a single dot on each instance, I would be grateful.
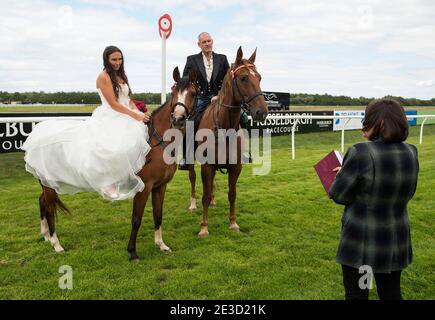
(285, 250)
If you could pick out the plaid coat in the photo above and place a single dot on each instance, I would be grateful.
(375, 183)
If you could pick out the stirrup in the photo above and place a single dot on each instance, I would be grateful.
(183, 165)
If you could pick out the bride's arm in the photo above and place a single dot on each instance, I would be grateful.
(132, 105)
(105, 84)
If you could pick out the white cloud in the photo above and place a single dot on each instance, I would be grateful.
(50, 46)
(425, 83)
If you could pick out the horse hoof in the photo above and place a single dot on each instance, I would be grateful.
(59, 249)
(203, 233)
(213, 204)
(192, 208)
(163, 247)
(134, 257)
(235, 227)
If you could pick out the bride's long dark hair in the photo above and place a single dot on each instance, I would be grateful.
(113, 73)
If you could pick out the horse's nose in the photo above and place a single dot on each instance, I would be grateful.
(179, 122)
(260, 115)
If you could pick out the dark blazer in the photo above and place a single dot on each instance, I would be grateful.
(375, 183)
(220, 68)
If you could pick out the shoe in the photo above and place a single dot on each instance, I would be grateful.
(183, 165)
(246, 157)
(111, 192)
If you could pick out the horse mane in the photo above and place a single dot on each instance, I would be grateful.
(156, 111)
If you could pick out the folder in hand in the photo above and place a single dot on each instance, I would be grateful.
(325, 167)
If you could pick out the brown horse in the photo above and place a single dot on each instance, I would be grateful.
(240, 90)
(155, 174)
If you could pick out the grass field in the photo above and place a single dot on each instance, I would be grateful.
(285, 250)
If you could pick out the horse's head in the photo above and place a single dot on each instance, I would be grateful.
(246, 85)
(184, 94)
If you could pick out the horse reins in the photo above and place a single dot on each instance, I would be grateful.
(156, 134)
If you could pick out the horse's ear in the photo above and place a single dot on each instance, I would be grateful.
(192, 75)
(239, 56)
(176, 74)
(252, 58)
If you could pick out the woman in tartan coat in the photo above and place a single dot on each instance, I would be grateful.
(375, 183)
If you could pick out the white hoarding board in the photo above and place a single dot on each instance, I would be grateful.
(348, 124)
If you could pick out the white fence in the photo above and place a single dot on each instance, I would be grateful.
(299, 117)
(291, 117)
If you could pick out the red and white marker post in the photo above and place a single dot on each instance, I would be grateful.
(165, 29)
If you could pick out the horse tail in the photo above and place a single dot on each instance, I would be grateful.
(62, 206)
(52, 200)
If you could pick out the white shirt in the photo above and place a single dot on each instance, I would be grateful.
(208, 66)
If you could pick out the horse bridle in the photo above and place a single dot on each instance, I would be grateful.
(245, 104)
(156, 134)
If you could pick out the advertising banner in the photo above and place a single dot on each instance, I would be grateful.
(277, 100)
(348, 124)
(13, 135)
(284, 126)
(411, 121)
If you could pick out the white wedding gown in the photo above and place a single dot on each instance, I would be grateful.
(101, 154)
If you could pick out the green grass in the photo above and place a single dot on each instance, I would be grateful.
(285, 250)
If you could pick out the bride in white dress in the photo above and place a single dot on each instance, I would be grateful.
(101, 154)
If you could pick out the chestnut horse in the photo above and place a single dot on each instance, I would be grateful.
(155, 174)
(240, 90)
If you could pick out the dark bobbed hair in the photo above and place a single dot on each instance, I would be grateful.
(388, 120)
(113, 73)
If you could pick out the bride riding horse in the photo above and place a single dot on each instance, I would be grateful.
(155, 174)
(240, 90)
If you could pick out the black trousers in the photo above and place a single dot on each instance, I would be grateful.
(387, 284)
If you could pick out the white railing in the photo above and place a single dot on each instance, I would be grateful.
(285, 117)
(38, 119)
(298, 117)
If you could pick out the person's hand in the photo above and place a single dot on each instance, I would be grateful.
(214, 99)
(147, 118)
(337, 169)
(139, 116)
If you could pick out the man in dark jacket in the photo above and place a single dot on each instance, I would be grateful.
(211, 69)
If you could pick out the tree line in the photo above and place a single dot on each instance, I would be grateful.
(154, 98)
(329, 100)
(68, 97)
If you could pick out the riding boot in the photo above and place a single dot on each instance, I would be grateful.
(246, 157)
(182, 165)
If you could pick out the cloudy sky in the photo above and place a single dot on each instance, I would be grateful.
(357, 48)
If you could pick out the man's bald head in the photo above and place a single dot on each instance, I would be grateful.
(205, 42)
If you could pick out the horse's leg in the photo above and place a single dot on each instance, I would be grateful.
(233, 175)
(50, 197)
(192, 178)
(207, 175)
(158, 197)
(44, 225)
(139, 203)
(213, 198)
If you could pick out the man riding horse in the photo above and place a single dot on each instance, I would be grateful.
(210, 68)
